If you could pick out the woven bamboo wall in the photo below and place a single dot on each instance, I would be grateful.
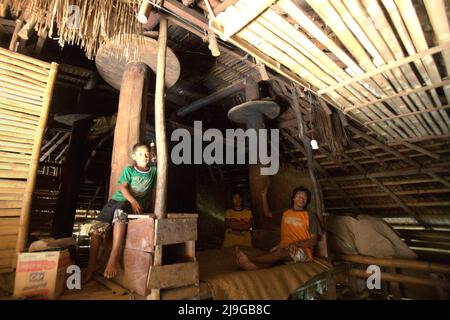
(26, 86)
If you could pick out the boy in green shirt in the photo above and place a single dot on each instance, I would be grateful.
(136, 183)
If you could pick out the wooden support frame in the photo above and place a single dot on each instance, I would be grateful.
(400, 202)
(422, 150)
(383, 146)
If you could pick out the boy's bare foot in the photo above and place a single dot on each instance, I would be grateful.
(89, 272)
(244, 262)
(111, 269)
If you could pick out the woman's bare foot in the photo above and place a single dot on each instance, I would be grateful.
(90, 271)
(111, 268)
(244, 262)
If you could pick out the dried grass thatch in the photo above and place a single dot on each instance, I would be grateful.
(84, 23)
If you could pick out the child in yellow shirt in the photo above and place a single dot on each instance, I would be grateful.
(238, 224)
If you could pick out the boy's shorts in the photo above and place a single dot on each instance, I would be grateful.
(113, 212)
(297, 254)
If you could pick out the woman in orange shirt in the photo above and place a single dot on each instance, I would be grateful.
(299, 231)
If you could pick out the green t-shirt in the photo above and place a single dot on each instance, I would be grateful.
(139, 184)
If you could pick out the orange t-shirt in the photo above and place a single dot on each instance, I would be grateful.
(295, 227)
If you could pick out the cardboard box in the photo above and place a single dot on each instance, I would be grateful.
(41, 275)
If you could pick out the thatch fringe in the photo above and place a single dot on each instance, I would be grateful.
(84, 23)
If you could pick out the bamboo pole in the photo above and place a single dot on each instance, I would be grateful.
(397, 263)
(303, 20)
(398, 51)
(402, 279)
(413, 25)
(328, 13)
(379, 51)
(160, 128)
(31, 178)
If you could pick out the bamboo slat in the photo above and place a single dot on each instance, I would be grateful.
(23, 132)
(12, 184)
(13, 174)
(13, 166)
(17, 116)
(10, 204)
(14, 157)
(10, 196)
(22, 73)
(14, 78)
(21, 95)
(9, 226)
(27, 59)
(5, 57)
(9, 212)
(17, 106)
(8, 242)
(6, 257)
(13, 138)
(18, 89)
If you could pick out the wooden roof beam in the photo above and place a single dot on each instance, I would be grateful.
(383, 146)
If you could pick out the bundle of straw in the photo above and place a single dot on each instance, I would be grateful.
(85, 23)
(328, 128)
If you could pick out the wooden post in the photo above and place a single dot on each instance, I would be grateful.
(131, 119)
(160, 127)
(34, 163)
(72, 173)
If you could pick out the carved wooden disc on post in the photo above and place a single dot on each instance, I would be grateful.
(116, 53)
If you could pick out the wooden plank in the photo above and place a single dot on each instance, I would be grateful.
(170, 231)
(383, 146)
(182, 293)
(12, 183)
(387, 67)
(173, 275)
(422, 150)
